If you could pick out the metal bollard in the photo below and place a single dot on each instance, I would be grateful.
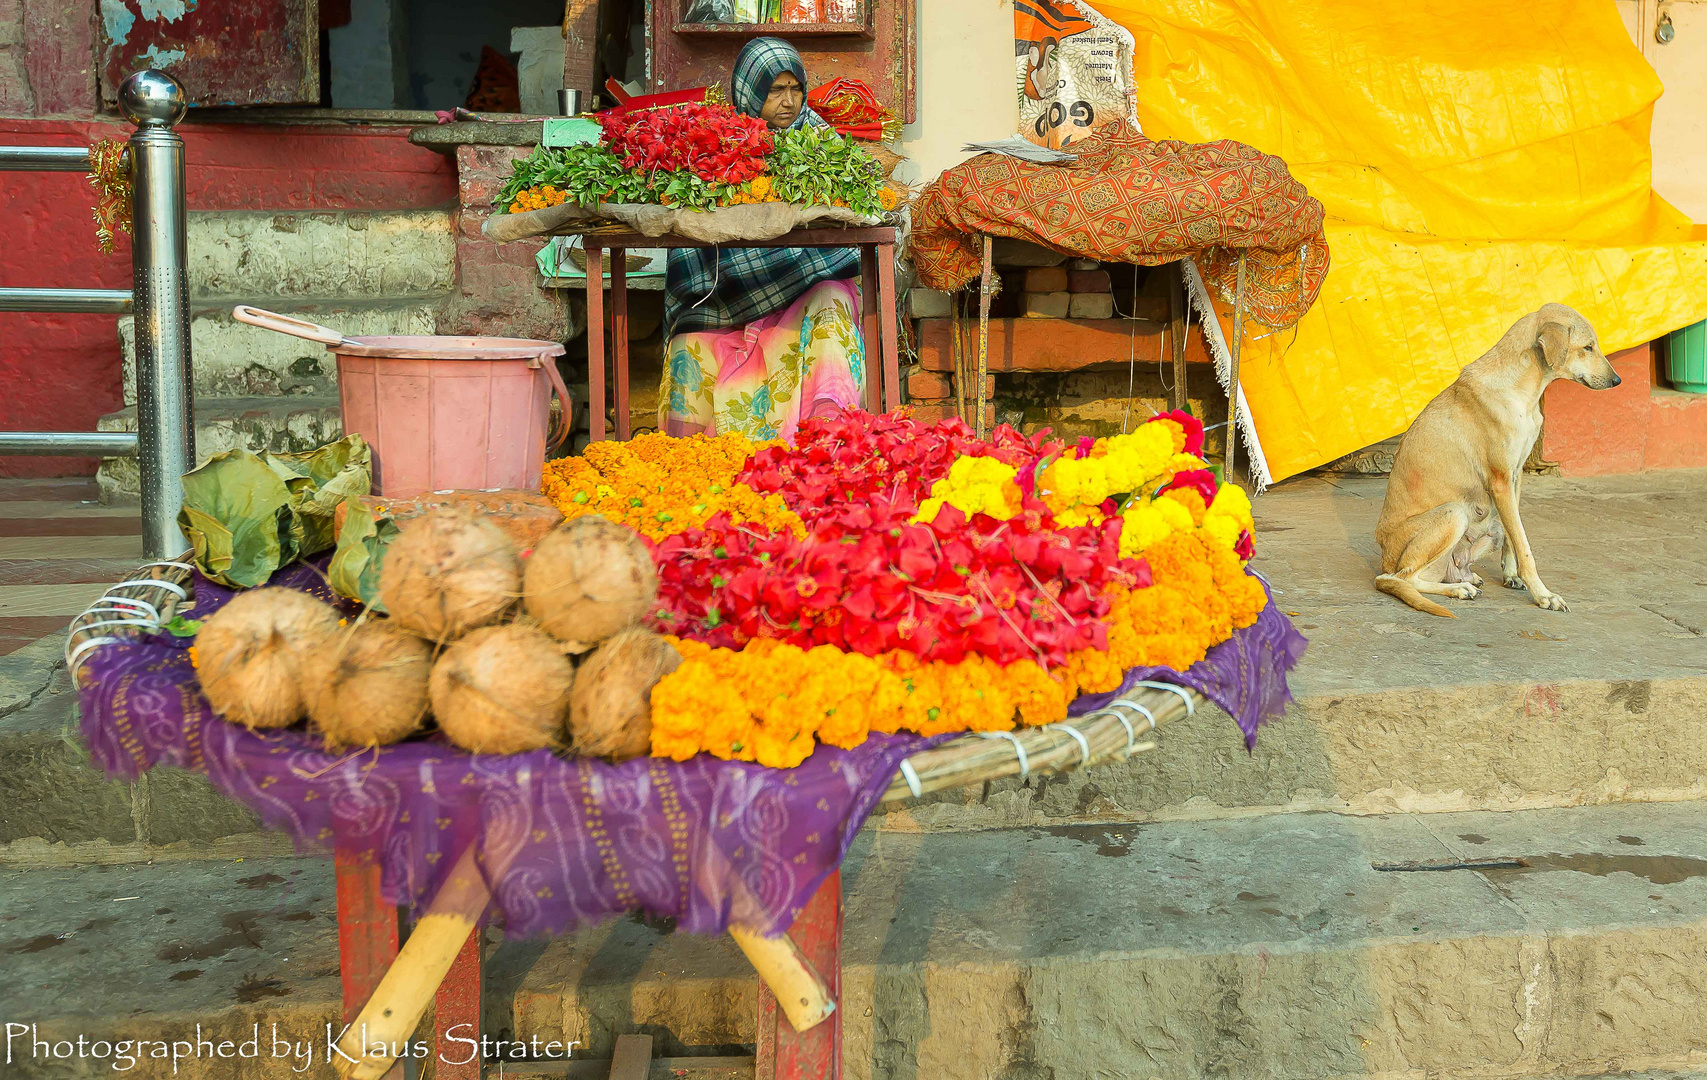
(166, 433)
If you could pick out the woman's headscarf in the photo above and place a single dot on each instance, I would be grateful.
(757, 67)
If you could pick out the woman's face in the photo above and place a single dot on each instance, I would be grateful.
(782, 105)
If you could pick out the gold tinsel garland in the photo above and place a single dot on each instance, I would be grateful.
(110, 176)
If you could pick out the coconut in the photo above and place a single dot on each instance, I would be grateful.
(610, 708)
(368, 687)
(250, 655)
(502, 690)
(448, 572)
(589, 579)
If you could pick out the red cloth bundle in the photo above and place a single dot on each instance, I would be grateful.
(852, 109)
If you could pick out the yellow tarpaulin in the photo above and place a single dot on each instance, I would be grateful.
(1476, 160)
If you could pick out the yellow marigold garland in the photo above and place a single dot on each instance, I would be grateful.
(659, 485)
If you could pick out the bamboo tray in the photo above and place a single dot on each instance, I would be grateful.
(147, 600)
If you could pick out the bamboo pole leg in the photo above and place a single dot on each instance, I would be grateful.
(887, 338)
(619, 338)
(984, 291)
(401, 999)
(799, 992)
(869, 331)
(1233, 373)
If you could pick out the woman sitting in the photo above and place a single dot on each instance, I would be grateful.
(760, 338)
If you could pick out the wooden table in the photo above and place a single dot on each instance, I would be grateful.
(877, 278)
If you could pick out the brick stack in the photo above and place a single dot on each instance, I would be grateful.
(1091, 296)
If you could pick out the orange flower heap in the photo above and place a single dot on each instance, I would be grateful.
(659, 486)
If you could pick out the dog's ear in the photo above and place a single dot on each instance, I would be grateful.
(1553, 339)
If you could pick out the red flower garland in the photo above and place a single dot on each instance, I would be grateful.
(714, 142)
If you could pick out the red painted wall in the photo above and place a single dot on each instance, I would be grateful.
(62, 372)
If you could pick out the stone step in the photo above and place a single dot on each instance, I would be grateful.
(1252, 948)
(292, 423)
(231, 359)
(257, 256)
(1258, 948)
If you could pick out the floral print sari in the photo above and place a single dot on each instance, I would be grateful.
(763, 378)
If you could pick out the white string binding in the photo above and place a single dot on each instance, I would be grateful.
(134, 607)
(1184, 694)
(1078, 737)
(909, 774)
(154, 583)
(74, 655)
(1148, 715)
(1019, 751)
(1131, 736)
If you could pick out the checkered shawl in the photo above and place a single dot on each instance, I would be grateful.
(714, 289)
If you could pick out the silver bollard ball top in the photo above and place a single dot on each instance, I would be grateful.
(152, 98)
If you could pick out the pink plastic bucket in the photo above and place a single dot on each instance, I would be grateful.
(443, 413)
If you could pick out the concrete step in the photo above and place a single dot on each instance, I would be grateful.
(281, 424)
(1253, 949)
(260, 256)
(231, 359)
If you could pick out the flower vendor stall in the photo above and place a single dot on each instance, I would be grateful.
(699, 174)
(879, 609)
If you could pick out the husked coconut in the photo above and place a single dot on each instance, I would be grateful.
(503, 690)
(448, 572)
(610, 708)
(251, 655)
(368, 686)
(589, 579)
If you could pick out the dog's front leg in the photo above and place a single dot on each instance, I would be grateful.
(1504, 491)
(1508, 565)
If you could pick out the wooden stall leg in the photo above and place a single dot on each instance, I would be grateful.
(1228, 473)
(595, 343)
(456, 1014)
(1178, 322)
(868, 331)
(619, 338)
(985, 290)
(414, 977)
(367, 929)
(815, 1054)
(886, 321)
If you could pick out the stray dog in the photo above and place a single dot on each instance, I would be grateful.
(1453, 491)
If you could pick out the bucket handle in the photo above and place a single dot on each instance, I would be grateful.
(566, 417)
(284, 324)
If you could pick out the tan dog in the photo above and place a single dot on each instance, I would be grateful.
(1454, 487)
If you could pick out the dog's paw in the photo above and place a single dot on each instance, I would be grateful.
(1512, 581)
(1552, 602)
(1464, 591)
(1476, 580)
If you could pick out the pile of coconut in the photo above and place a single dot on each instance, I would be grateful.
(506, 653)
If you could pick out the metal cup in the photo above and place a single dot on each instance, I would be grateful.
(569, 102)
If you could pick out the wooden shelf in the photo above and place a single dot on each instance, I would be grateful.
(777, 29)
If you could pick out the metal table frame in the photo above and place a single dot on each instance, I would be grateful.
(877, 279)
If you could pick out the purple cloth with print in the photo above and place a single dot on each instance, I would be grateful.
(563, 842)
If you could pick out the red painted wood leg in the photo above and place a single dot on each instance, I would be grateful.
(783, 1053)
(456, 1011)
(595, 343)
(870, 336)
(367, 928)
(619, 337)
(890, 347)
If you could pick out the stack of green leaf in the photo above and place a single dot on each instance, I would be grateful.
(246, 514)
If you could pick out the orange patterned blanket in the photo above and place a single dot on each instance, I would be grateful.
(1131, 199)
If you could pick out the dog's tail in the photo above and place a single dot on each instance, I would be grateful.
(1404, 590)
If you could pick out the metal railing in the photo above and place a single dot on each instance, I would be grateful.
(165, 440)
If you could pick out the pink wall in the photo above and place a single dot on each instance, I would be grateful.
(62, 372)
